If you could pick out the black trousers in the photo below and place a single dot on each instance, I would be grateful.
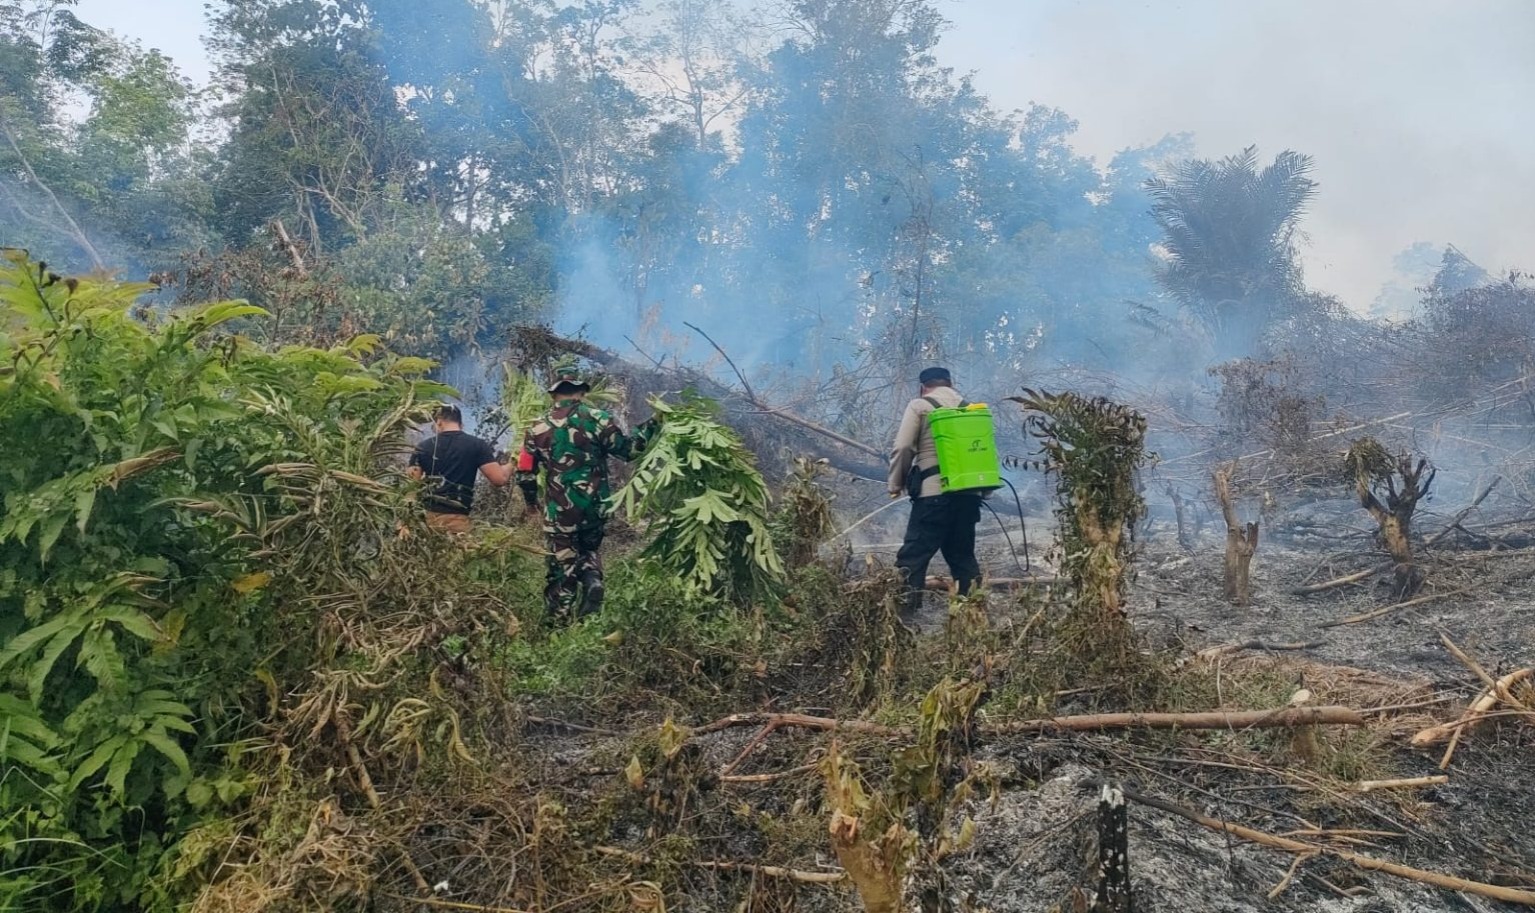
(943, 523)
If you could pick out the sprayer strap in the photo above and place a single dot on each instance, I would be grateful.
(937, 405)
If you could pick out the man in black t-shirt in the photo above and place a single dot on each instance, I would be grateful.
(452, 459)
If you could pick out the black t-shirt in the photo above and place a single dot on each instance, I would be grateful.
(455, 458)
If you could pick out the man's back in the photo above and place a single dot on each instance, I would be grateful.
(454, 457)
(573, 443)
(914, 449)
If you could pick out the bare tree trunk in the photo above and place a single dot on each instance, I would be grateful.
(1185, 532)
(1241, 541)
(74, 231)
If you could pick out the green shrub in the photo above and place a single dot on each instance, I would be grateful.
(133, 611)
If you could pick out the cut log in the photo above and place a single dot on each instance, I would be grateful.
(1365, 786)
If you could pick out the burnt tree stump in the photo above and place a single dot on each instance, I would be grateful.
(1241, 540)
(1389, 488)
(1113, 852)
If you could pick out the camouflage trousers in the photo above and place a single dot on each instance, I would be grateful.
(573, 555)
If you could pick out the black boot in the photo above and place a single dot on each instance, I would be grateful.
(591, 601)
(911, 607)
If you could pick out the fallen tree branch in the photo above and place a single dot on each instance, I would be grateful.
(1368, 616)
(768, 871)
(1455, 522)
(768, 409)
(769, 778)
(453, 904)
(1282, 718)
(1226, 649)
(1502, 691)
(799, 721)
(1435, 735)
(751, 746)
(1368, 863)
(565, 724)
(1391, 708)
(610, 360)
(1341, 581)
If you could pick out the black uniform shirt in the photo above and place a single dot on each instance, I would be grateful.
(453, 457)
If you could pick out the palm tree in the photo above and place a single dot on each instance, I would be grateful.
(1229, 241)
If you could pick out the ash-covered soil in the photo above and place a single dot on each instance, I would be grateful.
(1038, 842)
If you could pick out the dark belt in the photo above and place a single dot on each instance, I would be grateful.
(916, 477)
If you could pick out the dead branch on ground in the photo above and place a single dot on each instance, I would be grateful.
(767, 871)
(1346, 580)
(1460, 517)
(1209, 653)
(1479, 708)
(1365, 786)
(1279, 718)
(1368, 863)
(1377, 613)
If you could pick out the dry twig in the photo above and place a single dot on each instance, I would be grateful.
(767, 871)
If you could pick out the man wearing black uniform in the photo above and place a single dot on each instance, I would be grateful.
(939, 522)
(452, 458)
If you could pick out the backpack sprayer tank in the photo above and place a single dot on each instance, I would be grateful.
(967, 448)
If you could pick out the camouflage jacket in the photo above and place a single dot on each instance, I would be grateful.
(571, 444)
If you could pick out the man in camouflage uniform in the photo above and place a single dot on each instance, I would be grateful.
(571, 444)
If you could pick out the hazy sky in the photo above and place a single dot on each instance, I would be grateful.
(1417, 111)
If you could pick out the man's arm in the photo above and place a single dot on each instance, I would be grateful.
(418, 460)
(496, 473)
(626, 447)
(493, 469)
(904, 450)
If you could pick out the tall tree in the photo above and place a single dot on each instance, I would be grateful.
(1229, 231)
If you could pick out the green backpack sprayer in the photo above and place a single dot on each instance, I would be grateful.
(966, 442)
